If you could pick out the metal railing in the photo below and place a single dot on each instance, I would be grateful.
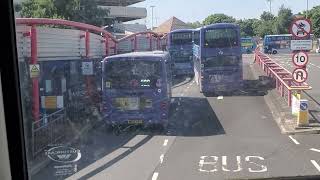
(285, 84)
(48, 130)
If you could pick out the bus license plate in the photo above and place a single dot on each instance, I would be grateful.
(135, 122)
(130, 104)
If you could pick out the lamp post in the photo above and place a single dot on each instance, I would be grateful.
(307, 9)
(152, 16)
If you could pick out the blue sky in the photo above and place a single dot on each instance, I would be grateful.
(198, 10)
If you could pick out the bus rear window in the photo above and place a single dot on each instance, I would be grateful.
(181, 38)
(221, 38)
(127, 74)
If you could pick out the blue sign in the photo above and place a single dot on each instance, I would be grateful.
(303, 106)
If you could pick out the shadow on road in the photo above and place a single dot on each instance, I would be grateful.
(259, 87)
(188, 117)
(94, 145)
(193, 117)
(315, 114)
(181, 80)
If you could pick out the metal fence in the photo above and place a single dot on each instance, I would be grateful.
(48, 130)
(284, 81)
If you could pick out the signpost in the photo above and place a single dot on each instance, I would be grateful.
(34, 70)
(303, 45)
(300, 59)
(87, 68)
(300, 75)
(300, 43)
(301, 28)
(303, 119)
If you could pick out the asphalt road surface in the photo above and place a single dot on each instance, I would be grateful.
(233, 137)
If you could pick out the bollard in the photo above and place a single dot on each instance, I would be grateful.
(295, 103)
(303, 118)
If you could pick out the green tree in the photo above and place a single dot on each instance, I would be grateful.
(218, 18)
(39, 9)
(315, 19)
(85, 11)
(194, 25)
(314, 16)
(267, 16)
(265, 25)
(247, 27)
(283, 21)
(262, 28)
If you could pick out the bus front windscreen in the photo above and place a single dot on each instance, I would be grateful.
(128, 74)
(221, 38)
(181, 38)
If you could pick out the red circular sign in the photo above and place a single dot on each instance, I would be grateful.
(300, 59)
(301, 28)
(300, 75)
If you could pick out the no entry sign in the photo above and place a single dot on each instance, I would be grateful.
(300, 28)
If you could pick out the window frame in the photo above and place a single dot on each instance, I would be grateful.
(11, 94)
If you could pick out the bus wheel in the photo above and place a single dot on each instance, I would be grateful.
(274, 52)
(117, 131)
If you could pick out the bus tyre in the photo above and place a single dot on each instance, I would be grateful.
(274, 52)
(117, 131)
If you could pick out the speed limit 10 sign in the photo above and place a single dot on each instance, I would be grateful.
(300, 59)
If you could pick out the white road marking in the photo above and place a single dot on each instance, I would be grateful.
(315, 164)
(294, 140)
(220, 97)
(155, 176)
(224, 164)
(318, 66)
(211, 164)
(161, 158)
(165, 142)
(263, 167)
(316, 150)
(188, 87)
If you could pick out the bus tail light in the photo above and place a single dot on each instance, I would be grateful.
(159, 83)
(163, 105)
